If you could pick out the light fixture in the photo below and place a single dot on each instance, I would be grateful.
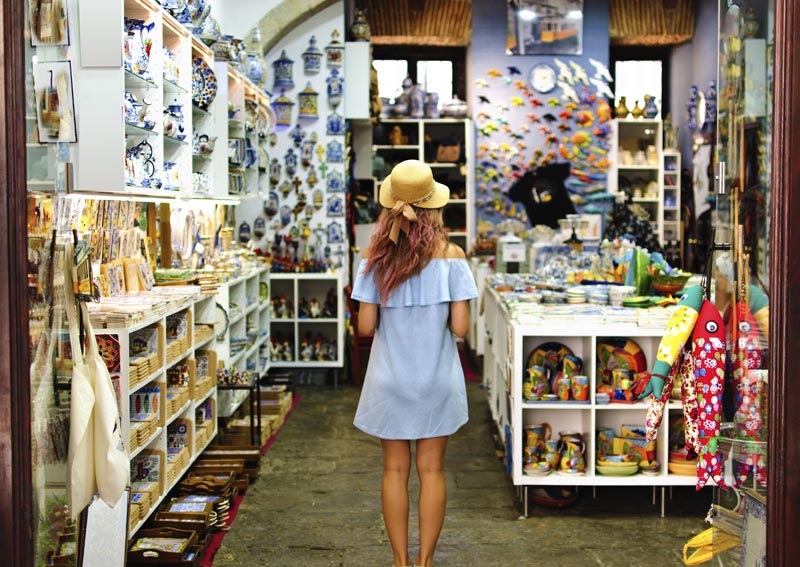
(527, 15)
(574, 15)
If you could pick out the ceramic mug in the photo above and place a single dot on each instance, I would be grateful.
(580, 388)
(537, 433)
(563, 388)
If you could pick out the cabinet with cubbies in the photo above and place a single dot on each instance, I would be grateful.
(160, 370)
(637, 162)
(307, 320)
(136, 119)
(447, 146)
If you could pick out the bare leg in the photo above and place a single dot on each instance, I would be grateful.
(432, 496)
(394, 496)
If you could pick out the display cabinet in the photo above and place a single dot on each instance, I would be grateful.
(637, 167)
(507, 348)
(447, 146)
(307, 321)
(167, 401)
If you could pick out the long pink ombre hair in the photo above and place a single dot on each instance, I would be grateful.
(395, 263)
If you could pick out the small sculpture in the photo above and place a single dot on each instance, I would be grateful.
(314, 310)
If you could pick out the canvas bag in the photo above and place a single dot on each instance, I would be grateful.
(111, 465)
(80, 457)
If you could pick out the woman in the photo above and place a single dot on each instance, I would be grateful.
(414, 287)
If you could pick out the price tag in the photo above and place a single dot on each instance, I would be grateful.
(513, 252)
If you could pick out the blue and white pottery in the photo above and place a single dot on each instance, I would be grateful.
(286, 215)
(432, 105)
(335, 206)
(416, 102)
(255, 66)
(283, 72)
(312, 57)
(283, 110)
(335, 88)
(297, 134)
(308, 102)
(271, 205)
(210, 32)
(334, 153)
(335, 182)
(335, 124)
(334, 51)
(290, 160)
(335, 233)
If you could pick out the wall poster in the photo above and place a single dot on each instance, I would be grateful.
(545, 27)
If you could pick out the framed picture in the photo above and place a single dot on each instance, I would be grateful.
(55, 103)
(49, 25)
(544, 27)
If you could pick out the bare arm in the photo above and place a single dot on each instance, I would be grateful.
(459, 318)
(367, 318)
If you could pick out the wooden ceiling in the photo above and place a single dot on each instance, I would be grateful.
(419, 22)
(650, 22)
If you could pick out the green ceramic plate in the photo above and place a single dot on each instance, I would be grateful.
(617, 470)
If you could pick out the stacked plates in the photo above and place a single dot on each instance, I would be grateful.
(599, 296)
(617, 293)
(576, 295)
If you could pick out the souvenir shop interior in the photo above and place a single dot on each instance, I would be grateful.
(202, 178)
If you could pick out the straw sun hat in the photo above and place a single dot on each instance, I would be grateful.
(410, 183)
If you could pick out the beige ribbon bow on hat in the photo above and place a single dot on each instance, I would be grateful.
(403, 215)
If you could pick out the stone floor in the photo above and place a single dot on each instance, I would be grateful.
(317, 503)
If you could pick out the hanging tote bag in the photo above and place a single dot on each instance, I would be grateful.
(110, 462)
(80, 458)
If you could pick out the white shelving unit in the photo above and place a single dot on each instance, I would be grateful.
(506, 348)
(294, 287)
(154, 330)
(459, 214)
(631, 137)
(671, 185)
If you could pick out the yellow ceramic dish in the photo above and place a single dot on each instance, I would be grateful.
(688, 468)
(618, 469)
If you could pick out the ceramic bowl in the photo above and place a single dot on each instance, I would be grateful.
(626, 469)
(686, 468)
(614, 459)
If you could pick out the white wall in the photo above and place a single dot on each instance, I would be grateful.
(239, 17)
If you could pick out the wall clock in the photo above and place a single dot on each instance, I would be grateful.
(543, 78)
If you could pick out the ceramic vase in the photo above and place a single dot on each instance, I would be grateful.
(622, 108)
(360, 27)
(416, 102)
(650, 108)
(255, 61)
(432, 105)
(636, 112)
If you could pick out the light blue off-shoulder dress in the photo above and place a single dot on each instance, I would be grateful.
(414, 387)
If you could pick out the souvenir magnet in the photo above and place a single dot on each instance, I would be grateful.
(335, 154)
(290, 159)
(335, 233)
(297, 134)
(335, 124)
(334, 182)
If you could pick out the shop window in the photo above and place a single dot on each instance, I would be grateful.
(391, 73)
(634, 79)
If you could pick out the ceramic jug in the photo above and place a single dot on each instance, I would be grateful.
(416, 100)
(572, 450)
(622, 108)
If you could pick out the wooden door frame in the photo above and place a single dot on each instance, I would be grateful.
(16, 523)
(783, 497)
